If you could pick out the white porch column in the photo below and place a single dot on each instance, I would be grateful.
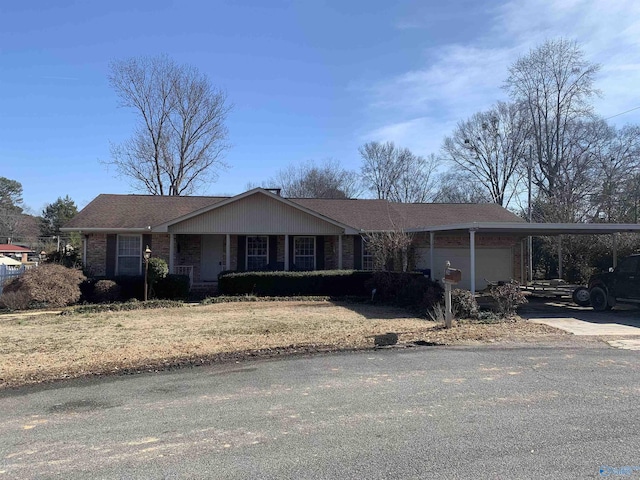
(286, 253)
(432, 241)
(227, 255)
(615, 250)
(172, 249)
(472, 251)
(340, 252)
(559, 256)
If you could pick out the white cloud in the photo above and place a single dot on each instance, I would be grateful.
(418, 108)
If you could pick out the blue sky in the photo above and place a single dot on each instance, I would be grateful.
(309, 80)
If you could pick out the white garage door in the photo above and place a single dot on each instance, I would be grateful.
(492, 264)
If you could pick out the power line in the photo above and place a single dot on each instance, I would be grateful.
(622, 113)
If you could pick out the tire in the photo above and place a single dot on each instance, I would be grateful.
(599, 300)
(581, 296)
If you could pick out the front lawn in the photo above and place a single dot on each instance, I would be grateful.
(37, 348)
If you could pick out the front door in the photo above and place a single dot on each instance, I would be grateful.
(212, 258)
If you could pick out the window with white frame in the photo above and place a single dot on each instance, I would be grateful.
(257, 252)
(367, 255)
(129, 255)
(304, 253)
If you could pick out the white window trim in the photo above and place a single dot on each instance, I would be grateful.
(246, 251)
(305, 256)
(118, 251)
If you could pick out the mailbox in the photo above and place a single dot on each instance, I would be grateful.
(452, 275)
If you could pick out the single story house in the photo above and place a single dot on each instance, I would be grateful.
(15, 251)
(260, 230)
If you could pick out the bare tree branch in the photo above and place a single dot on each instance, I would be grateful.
(180, 141)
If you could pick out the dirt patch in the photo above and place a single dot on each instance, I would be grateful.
(41, 348)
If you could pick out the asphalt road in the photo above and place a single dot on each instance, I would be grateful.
(429, 412)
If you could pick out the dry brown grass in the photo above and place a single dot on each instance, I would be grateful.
(36, 348)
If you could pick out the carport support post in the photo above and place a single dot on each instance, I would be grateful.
(559, 256)
(472, 251)
(228, 252)
(340, 252)
(615, 249)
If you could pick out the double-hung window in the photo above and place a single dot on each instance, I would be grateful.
(257, 252)
(304, 253)
(367, 255)
(129, 255)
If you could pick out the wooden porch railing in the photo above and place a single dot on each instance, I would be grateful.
(184, 270)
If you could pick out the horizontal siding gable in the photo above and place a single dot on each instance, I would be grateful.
(257, 213)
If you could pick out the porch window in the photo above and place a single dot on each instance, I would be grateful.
(129, 255)
(367, 255)
(257, 252)
(304, 253)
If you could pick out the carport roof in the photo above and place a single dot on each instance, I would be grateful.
(534, 229)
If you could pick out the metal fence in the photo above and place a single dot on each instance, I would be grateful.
(8, 272)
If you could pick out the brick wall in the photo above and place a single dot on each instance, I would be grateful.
(96, 261)
(187, 252)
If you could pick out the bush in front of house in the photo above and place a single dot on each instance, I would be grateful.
(405, 289)
(335, 283)
(121, 307)
(106, 291)
(508, 298)
(15, 300)
(464, 304)
(173, 287)
(48, 285)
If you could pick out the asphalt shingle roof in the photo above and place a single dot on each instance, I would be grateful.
(140, 211)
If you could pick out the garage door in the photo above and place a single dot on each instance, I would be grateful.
(493, 264)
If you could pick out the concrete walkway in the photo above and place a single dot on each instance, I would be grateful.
(622, 321)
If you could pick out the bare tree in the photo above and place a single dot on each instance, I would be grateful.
(180, 140)
(556, 85)
(10, 208)
(617, 175)
(390, 249)
(310, 180)
(490, 147)
(456, 186)
(396, 174)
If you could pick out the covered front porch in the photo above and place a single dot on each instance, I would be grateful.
(203, 256)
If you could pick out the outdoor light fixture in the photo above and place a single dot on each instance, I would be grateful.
(147, 255)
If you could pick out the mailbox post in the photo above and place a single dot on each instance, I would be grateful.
(452, 276)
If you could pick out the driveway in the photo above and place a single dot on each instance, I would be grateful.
(622, 321)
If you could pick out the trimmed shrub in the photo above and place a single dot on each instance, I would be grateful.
(158, 269)
(50, 285)
(253, 298)
(508, 298)
(173, 287)
(131, 286)
(335, 283)
(464, 304)
(120, 307)
(106, 291)
(405, 289)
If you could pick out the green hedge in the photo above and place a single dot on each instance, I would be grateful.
(335, 283)
(120, 307)
(172, 287)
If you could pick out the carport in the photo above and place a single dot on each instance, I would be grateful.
(523, 230)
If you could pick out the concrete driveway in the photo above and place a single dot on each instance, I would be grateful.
(622, 321)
